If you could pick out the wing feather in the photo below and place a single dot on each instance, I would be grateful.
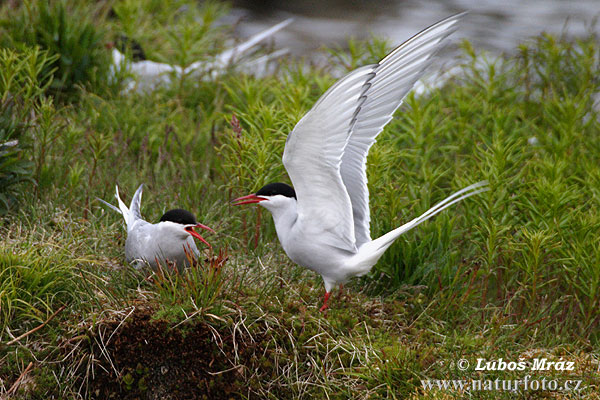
(325, 155)
(313, 155)
(136, 202)
(393, 78)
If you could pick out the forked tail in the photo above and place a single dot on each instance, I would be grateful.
(371, 251)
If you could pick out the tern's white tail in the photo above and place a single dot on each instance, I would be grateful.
(132, 213)
(370, 252)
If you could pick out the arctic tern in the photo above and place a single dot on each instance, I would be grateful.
(323, 222)
(149, 74)
(168, 241)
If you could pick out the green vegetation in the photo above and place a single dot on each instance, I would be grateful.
(511, 274)
(22, 103)
(65, 30)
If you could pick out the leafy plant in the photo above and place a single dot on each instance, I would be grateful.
(14, 167)
(32, 286)
(357, 53)
(181, 31)
(65, 29)
(22, 83)
(197, 289)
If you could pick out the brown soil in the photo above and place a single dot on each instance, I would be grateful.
(155, 361)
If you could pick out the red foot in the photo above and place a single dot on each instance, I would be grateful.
(325, 306)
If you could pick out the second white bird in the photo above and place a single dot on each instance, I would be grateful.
(170, 241)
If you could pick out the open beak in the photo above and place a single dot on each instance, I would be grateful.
(250, 199)
(191, 231)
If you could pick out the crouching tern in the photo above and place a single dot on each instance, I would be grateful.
(169, 241)
(323, 222)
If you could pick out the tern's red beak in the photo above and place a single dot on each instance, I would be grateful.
(191, 231)
(250, 199)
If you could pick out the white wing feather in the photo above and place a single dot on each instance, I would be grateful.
(131, 214)
(227, 57)
(312, 158)
(393, 78)
(136, 202)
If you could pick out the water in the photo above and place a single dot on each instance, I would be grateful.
(495, 26)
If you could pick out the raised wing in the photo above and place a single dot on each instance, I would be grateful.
(227, 57)
(136, 203)
(393, 78)
(313, 155)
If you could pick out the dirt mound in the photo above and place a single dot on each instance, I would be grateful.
(150, 359)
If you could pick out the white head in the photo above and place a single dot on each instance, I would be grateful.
(117, 57)
(180, 224)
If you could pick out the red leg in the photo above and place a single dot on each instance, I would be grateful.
(325, 306)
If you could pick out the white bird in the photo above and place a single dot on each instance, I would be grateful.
(323, 224)
(168, 241)
(10, 143)
(148, 74)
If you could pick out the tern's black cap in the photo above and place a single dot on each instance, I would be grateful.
(179, 216)
(273, 189)
(124, 44)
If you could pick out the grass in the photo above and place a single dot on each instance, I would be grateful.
(22, 85)
(511, 274)
(64, 29)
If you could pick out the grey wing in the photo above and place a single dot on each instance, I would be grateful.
(136, 202)
(226, 57)
(140, 241)
(313, 155)
(131, 214)
(393, 78)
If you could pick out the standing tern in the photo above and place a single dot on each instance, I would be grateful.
(323, 224)
(168, 241)
(148, 74)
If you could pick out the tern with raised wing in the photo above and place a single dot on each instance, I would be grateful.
(170, 241)
(323, 222)
(149, 74)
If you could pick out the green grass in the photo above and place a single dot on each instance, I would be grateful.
(22, 86)
(64, 29)
(512, 273)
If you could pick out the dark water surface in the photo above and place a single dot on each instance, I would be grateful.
(496, 26)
